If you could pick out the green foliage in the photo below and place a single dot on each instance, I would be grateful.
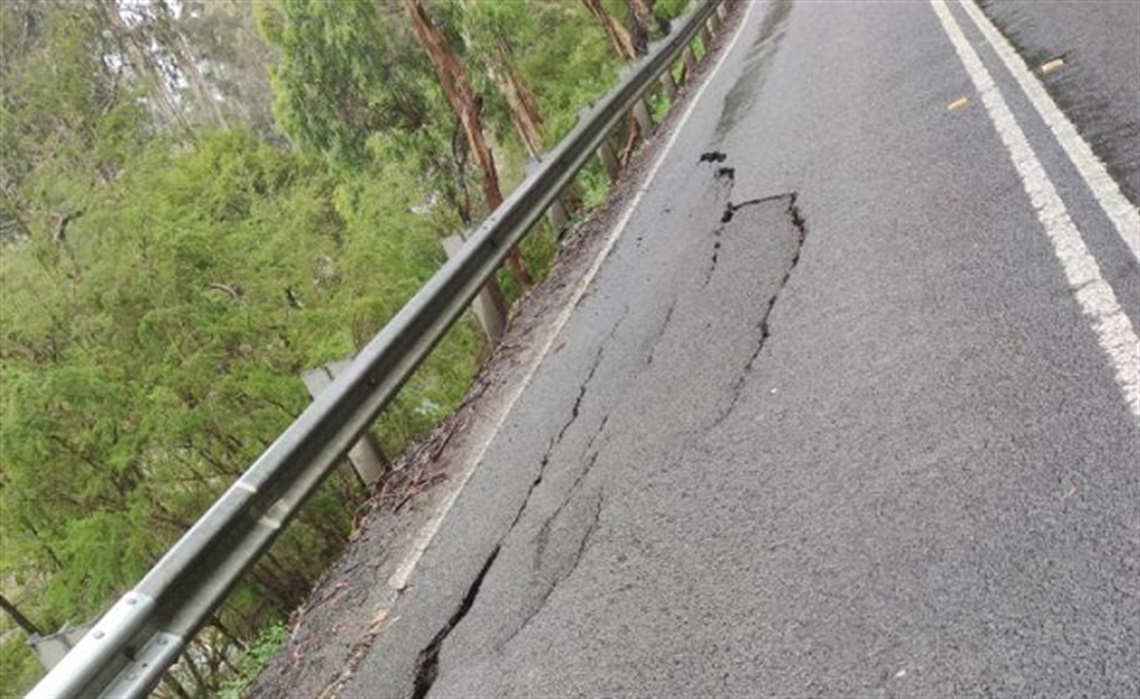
(18, 666)
(575, 68)
(149, 360)
(344, 74)
(254, 660)
(670, 9)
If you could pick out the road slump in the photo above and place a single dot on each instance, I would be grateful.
(725, 176)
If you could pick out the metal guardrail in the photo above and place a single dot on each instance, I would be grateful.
(127, 651)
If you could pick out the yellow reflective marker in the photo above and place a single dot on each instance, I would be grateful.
(1050, 66)
(958, 104)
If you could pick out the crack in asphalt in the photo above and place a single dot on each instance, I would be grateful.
(543, 536)
(583, 546)
(427, 662)
(597, 432)
(660, 333)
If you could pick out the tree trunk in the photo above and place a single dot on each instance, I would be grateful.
(143, 64)
(640, 17)
(520, 99)
(176, 42)
(456, 85)
(198, 85)
(619, 35)
(22, 621)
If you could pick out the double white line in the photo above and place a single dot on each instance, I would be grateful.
(1113, 328)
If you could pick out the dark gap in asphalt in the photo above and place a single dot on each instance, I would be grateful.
(427, 664)
(721, 174)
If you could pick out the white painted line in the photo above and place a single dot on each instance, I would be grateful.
(1114, 330)
(399, 579)
(1124, 216)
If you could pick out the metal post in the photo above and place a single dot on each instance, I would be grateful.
(706, 38)
(670, 85)
(489, 305)
(609, 160)
(558, 217)
(713, 25)
(367, 458)
(556, 214)
(644, 119)
(51, 649)
(690, 62)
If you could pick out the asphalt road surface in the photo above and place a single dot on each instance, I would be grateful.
(851, 408)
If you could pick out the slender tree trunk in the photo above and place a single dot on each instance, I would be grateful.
(640, 18)
(198, 85)
(520, 99)
(456, 85)
(143, 64)
(183, 54)
(619, 35)
(22, 621)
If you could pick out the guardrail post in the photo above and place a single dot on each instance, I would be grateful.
(556, 213)
(713, 25)
(366, 456)
(706, 37)
(722, 11)
(558, 217)
(489, 306)
(644, 119)
(690, 61)
(609, 160)
(670, 84)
